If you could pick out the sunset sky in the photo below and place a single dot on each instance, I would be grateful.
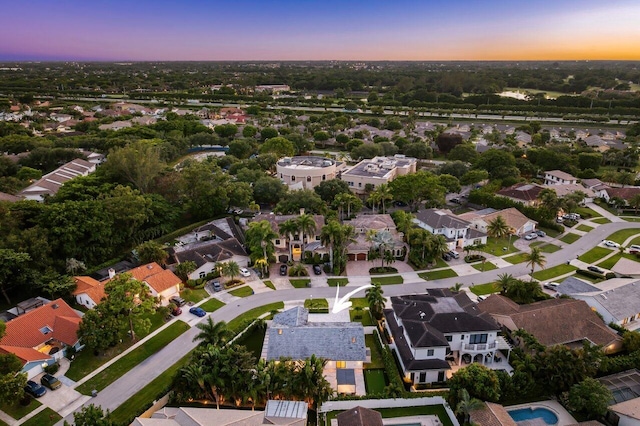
(142, 30)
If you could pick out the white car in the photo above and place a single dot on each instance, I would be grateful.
(551, 285)
(245, 272)
(610, 243)
(530, 237)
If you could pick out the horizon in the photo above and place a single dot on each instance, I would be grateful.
(329, 30)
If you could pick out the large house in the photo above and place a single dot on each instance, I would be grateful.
(50, 183)
(518, 223)
(459, 233)
(558, 177)
(626, 193)
(307, 172)
(624, 407)
(363, 225)
(552, 322)
(40, 336)
(376, 171)
(292, 335)
(430, 329)
(524, 193)
(289, 247)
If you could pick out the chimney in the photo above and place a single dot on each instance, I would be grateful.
(112, 273)
(301, 211)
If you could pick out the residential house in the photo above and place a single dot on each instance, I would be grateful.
(491, 414)
(50, 183)
(581, 134)
(429, 330)
(363, 225)
(377, 171)
(162, 283)
(272, 88)
(523, 139)
(626, 193)
(562, 190)
(624, 407)
(359, 416)
(557, 177)
(627, 268)
(289, 247)
(559, 321)
(524, 193)
(596, 185)
(89, 291)
(9, 198)
(292, 335)
(617, 300)
(116, 125)
(459, 233)
(518, 223)
(597, 143)
(40, 336)
(277, 412)
(308, 171)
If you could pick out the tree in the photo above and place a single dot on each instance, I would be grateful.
(139, 163)
(447, 141)
(213, 333)
(152, 251)
(480, 382)
(497, 162)
(634, 202)
(465, 152)
(498, 228)
(589, 160)
(75, 266)
(268, 190)
(376, 300)
(287, 229)
(418, 150)
(466, 405)
(321, 136)
(226, 130)
(13, 270)
(55, 285)
(279, 146)
(415, 188)
(382, 194)
(242, 148)
(590, 397)
(453, 168)
(329, 189)
(307, 227)
(474, 176)
(268, 133)
(12, 381)
(449, 182)
(366, 151)
(231, 269)
(292, 202)
(259, 237)
(348, 200)
(184, 269)
(250, 131)
(503, 282)
(381, 241)
(535, 258)
(91, 415)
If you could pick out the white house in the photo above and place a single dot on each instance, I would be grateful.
(555, 177)
(518, 223)
(458, 232)
(50, 183)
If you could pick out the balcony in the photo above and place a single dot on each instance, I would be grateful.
(480, 347)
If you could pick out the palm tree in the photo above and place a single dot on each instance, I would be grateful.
(259, 237)
(184, 269)
(215, 334)
(381, 241)
(341, 243)
(287, 229)
(436, 246)
(466, 405)
(498, 228)
(535, 258)
(231, 269)
(376, 300)
(404, 222)
(194, 375)
(307, 227)
(383, 194)
(456, 287)
(328, 236)
(503, 282)
(418, 238)
(635, 203)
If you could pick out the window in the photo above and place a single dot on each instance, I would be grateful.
(277, 242)
(477, 242)
(478, 338)
(324, 177)
(279, 331)
(280, 175)
(429, 352)
(341, 364)
(449, 338)
(293, 178)
(359, 184)
(202, 274)
(308, 178)
(45, 330)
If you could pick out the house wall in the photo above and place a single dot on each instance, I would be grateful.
(84, 300)
(36, 367)
(166, 295)
(310, 177)
(631, 322)
(627, 421)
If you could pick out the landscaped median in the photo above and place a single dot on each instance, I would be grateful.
(622, 235)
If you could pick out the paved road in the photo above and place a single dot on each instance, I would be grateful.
(119, 391)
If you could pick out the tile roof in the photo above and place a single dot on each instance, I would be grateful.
(560, 174)
(276, 220)
(157, 278)
(359, 416)
(630, 408)
(522, 191)
(89, 286)
(8, 197)
(51, 182)
(492, 415)
(25, 354)
(624, 193)
(512, 217)
(214, 251)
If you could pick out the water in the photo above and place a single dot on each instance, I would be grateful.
(521, 414)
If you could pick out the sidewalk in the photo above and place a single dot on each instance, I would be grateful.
(604, 213)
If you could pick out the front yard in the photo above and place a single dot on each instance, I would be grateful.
(570, 238)
(483, 289)
(516, 258)
(556, 271)
(393, 279)
(438, 275)
(499, 246)
(212, 305)
(333, 282)
(242, 291)
(595, 254)
(300, 282)
(621, 236)
(17, 410)
(45, 417)
(487, 266)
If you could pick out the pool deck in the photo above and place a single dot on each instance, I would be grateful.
(564, 418)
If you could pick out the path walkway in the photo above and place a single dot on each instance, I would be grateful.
(604, 213)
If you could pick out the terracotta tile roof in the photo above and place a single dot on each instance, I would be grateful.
(522, 191)
(8, 197)
(25, 330)
(624, 193)
(25, 354)
(89, 286)
(359, 416)
(511, 216)
(157, 278)
(492, 415)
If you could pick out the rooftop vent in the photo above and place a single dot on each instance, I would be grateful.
(55, 306)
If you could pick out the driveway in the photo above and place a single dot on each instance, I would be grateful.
(60, 398)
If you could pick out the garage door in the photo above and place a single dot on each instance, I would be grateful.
(362, 256)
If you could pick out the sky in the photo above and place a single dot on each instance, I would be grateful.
(198, 30)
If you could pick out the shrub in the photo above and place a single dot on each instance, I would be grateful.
(52, 369)
(591, 274)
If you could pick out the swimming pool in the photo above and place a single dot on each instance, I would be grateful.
(521, 414)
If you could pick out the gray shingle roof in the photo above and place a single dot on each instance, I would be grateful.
(572, 285)
(438, 219)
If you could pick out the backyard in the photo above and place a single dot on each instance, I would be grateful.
(386, 413)
(253, 341)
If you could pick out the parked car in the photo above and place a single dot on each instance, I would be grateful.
(634, 248)
(446, 256)
(595, 269)
(283, 269)
(177, 300)
(531, 236)
(317, 269)
(610, 243)
(216, 285)
(245, 272)
(34, 389)
(198, 311)
(177, 311)
(50, 381)
(455, 200)
(559, 219)
(454, 254)
(551, 285)
(541, 234)
(481, 298)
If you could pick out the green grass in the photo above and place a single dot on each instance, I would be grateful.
(362, 316)
(496, 245)
(212, 305)
(85, 361)
(316, 304)
(376, 356)
(239, 322)
(586, 212)
(595, 254)
(621, 236)
(393, 279)
(610, 262)
(253, 341)
(18, 411)
(516, 258)
(133, 358)
(45, 417)
(601, 220)
(133, 406)
(374, 380)
(482, 289)
(636, 241)
(547, 274)
(359, 302)
(242, 291)
(570, 238)
(438, 275)
(440, 263)
(488, 266)
(550, 232)
(584, 228)
(545, 247)
(194, 296)
(333, 282)
(425, 410)
(632, 219)
(269, 284)
(300, 282)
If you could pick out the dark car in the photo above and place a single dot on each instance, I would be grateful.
(283, 269)
(50, 381)
(455, 200)
(178, 301)
(595, 269)
(198, 311)
(317, 269)
(176, 311)
(541, 234)
(34, 389)
(216, 286)
(446, 256)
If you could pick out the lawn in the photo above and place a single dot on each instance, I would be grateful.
(359, 302)
(132, 406)
(393, 279)
(269, 284)
(601, 220)
(438, 275)
(45, 417)
(85, 361)
(440, 263)
(545, 247)
(488, 266)
(333, 282)
(570, 238)
(636, 241)
(17, 410)
(253, 341)
(496, 246)
(516, 258)
(610, 262)
(317, 305)
(586, 212)
(595, 254)
(376, 356)
(242, 291)
(375, 380)
(621, 236)
(550, 232)
(300, 282)
(547, 274)
(133, 358)
(194, 295)
(482, 289)
(584, 228)
(632, 219)
(239, 322)
(361, 315)
(212, 305)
